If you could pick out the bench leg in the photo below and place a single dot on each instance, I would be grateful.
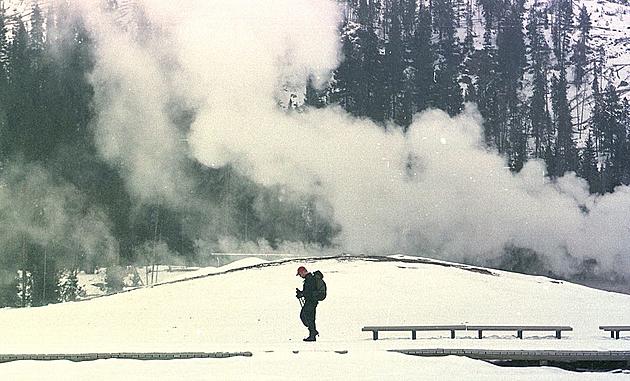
(617, 335)
(558, 333)
(519, 334)
(413, 335)
(452, 334)
(375, 335)
(480, 334)
(612, 334)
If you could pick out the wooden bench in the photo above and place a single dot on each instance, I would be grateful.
(480, 328)
(413, 329)
(519, 329)
(615, 329)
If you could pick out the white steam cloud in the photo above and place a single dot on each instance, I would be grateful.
(36, 208)
(134, 130)
(434, 191)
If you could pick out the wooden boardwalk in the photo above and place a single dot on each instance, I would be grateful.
(542, 357)
(122, 355)
(523, 355)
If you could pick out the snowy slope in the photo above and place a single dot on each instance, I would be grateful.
(93, 285)
(611, 30)
(255, 310)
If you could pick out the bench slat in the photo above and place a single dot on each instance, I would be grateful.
(519, 328)
(414, 328)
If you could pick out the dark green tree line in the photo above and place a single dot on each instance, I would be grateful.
(417, 62)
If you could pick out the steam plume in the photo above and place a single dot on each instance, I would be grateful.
(434, 191)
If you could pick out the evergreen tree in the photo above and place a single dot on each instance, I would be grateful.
(469, 43)
(607, 176)
(69, 287)
(588, 166)
(20, 108)
(580, 61)
(371, 97)
(596, 112)
(4, 45)
(449, 93)
(511, 62)
(488, 91)
(614, 137)
(409, 11)
(580, 48)
(18, 58)
(423, 57)
(610, 120)
(468, 51)
(44, 274)
(9, 293)
(25, 288)
(624, 161)
(404, 102)
(344, 84)
(75, 87)
(4, 94)
(540, 119)
(443, 19)
(398, 100)
(492, 12)
(511, 53)
(561, 30)
(36, 42)
(43, 130)
(359, 81)
(565, 150)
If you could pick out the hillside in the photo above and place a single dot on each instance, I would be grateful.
(611, 35)
(254, 309)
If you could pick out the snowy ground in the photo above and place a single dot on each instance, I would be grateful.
(255, 310)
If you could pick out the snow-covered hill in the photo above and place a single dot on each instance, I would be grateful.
(611, 31)
(254, 309)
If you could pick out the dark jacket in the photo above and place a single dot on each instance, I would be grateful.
(310, 287)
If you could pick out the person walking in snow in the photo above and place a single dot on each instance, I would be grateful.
(309, 306)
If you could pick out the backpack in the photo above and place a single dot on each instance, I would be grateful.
(320, 286)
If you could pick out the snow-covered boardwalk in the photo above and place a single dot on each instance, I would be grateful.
(120, 356)
(542, 356)
(523, 354)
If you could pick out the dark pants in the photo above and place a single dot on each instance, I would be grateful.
(307, 315)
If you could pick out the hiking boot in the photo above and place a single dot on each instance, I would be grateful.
(310, 338)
